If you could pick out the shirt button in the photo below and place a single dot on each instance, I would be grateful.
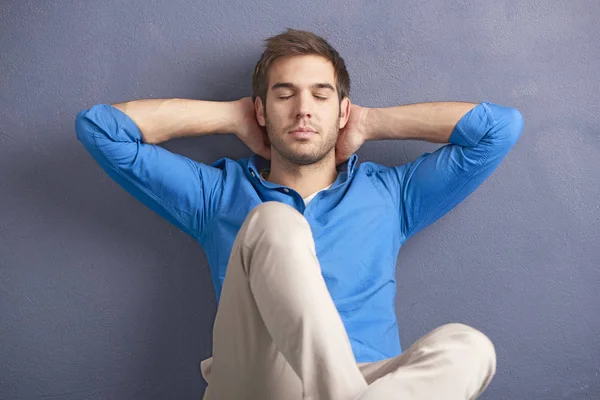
(286, 190)
(253, 174)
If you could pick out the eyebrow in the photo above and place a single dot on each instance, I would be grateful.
(289, 85)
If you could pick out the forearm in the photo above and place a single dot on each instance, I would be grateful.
(163, 119)
(432, 122)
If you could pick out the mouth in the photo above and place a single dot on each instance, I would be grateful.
(303, 133)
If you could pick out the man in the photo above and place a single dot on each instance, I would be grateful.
(301, 240)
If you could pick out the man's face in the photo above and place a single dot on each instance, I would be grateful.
(302, 95)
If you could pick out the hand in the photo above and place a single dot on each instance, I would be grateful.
(353, 135)
(249, 131)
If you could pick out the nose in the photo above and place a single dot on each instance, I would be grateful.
(304, 106)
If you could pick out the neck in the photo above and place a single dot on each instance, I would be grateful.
(304, 179)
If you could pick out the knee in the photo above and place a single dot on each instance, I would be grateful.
(473, 343)
(276, 221)
(270, 208)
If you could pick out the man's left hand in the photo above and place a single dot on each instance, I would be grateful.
(353, 135)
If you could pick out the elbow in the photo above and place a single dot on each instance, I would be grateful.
(514, 125)
(97, 125)
(108, 140)
(507, 126)
(84, 128)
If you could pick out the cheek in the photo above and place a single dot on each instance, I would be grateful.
(278, 118)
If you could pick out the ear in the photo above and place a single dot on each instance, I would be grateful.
(260, 111)
(344, 111)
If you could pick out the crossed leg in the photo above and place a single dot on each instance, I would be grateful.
(277, 333)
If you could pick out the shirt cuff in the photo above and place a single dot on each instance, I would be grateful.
(472, 126)
(126, 125)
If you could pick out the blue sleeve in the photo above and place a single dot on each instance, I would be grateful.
(426, 189)
(179, 189)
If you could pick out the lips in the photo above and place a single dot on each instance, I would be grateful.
(303, 133)
(303, 129)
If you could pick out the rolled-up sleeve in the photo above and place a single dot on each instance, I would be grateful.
(429, 187)
(179, 189)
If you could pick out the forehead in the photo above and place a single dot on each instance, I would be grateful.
(301, 70)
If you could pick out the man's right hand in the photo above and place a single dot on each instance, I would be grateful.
(249, 131)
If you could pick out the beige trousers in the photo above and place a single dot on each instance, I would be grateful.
(277, 334)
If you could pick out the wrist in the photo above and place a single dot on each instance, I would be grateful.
(368, 118)
(235, 117)
(242, 116)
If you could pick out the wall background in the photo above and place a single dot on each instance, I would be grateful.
(102, 299)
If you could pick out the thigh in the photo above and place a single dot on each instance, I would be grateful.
(454, 361)
(246, 363)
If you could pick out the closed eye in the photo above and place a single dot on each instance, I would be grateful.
(317, 97)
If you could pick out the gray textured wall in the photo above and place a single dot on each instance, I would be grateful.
(102, 299)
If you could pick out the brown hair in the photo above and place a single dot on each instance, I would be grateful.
(297, 42)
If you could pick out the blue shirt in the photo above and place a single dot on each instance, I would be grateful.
(359, 223)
